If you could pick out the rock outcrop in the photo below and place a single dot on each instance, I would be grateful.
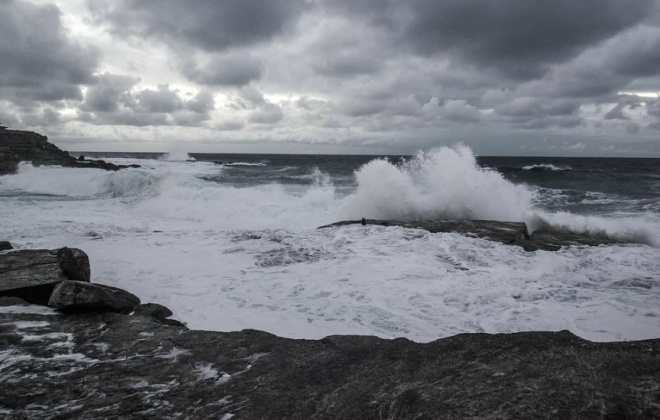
(107, 365)
(17, 146)
(509, 233)
(32, 274)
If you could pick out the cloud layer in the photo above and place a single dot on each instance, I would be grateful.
(505, 77)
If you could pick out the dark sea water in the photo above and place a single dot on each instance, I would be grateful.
(578, 185)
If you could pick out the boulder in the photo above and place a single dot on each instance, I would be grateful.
(80, 296)
(509, 233)
(158, 313)
(33, 274)
(5, 246)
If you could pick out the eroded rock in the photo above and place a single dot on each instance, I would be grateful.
(80, 296)
(33, 274)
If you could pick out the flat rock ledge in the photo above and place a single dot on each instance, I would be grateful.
(94, 362)
(509, 233)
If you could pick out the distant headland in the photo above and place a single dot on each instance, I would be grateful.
(27, 146)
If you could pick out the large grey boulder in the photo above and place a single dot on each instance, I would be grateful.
(79, 296)
(33, 274)
(509, 233)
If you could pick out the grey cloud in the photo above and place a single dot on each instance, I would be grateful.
(112, 101)
(266, 113)
(38, 61)
(605, 69)
(261, 110)
(460, 111)
(162, 100)
(201, 103)
(234, 69)
(208, 24)
(519, 38)
(107, 92)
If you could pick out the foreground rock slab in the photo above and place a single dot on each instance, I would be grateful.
(33, 274)
(509, 233)
(80, 296)
(106, 365)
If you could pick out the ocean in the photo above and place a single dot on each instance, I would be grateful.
(230, 242)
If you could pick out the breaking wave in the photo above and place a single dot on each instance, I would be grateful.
(78, 182)
(444, 183)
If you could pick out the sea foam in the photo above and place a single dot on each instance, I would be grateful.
(444, 183)
(79, 182)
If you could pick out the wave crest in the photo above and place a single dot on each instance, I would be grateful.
(78, 182)
(444, 183)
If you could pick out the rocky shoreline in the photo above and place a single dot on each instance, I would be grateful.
(26, 146)
(103, 354)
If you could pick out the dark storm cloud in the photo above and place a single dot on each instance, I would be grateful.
(207, 24)
(38, 61)
(605, 69)
(234, 69)
(520, 38)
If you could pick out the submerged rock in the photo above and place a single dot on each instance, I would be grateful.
(509, 233)
(106, 365)
(79, 296)
(33, 274)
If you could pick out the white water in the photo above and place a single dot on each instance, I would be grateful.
(225, 258)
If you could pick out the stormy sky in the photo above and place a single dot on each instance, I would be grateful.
(505, 77)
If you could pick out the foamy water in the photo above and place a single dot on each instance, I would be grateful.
(224, 257)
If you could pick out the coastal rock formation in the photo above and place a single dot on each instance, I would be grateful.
(17, 146)
(107, 365)
(4, 246)
(32, 274)
(80, 296)
(509, 233)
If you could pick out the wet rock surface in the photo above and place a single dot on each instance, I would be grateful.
(32, 274)
(80, 296)
(107, 365)
(17, 146)
(509, 233)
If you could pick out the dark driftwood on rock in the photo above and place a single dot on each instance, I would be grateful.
(33, 274)
(17, 146)
(105, 365)
(510, 233)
